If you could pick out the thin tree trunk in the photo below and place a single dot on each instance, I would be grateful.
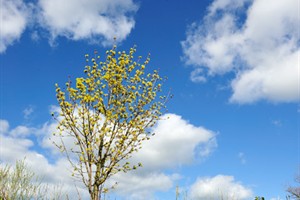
(95, 194)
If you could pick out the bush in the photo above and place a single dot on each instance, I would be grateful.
(19, 182)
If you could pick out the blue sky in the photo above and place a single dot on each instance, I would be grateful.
(232, 65)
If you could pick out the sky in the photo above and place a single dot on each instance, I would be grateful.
(233, 66)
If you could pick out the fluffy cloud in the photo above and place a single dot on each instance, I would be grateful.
(4, 126)
(262, 49)
(219, 187)
(21, 131)
(14, 17)
(94, 20)
(13, 147)
(137, 185)
(176, 143)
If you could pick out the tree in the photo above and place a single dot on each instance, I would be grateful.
(108, 113)
(294, 192)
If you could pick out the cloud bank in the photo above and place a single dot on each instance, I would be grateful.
(176, 143)
(18, 143)
(94, 21)
(257, 40)
(219, 187)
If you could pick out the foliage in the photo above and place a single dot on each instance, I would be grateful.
(18, 183)
(21, 183)
(294, 192)
(108, 114)
(259, 198)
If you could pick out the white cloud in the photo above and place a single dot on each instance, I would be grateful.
(53, 174)
(176, 143)
(226, 4)
(13, 148)
(276, 198)
(47, 141)
(13, 20)
(94, 20)
(197, 76)
(21, 131)
(262, 49)
(219, 187)
(4, 126)
(140, 186)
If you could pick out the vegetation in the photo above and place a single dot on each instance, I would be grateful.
(294, 192)
(108, 114)
(18, 183)
(21, 183)
(259, 198)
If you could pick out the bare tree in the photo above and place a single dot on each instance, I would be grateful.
(294, 191)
